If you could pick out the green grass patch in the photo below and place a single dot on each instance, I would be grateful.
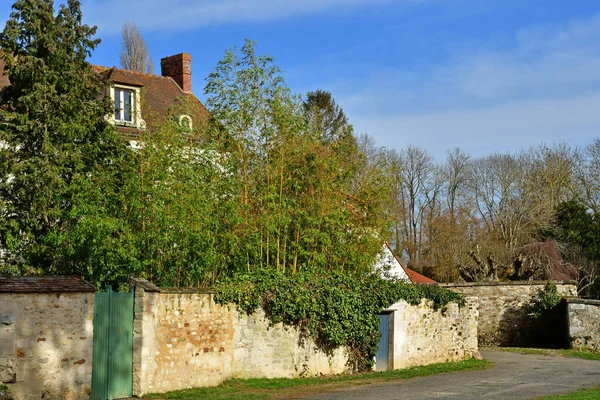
(583, 354)
(4, 394)
(581, 394)
(238, 389)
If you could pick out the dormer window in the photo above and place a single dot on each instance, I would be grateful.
(124, 105)
(126, 100)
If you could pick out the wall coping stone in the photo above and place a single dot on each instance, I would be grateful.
(508, 283)
(577, 300)
(187, 291)
(144, 284)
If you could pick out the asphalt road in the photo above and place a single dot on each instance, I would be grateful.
(513, 376)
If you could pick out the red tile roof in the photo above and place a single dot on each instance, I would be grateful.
(44, 284)
(414, 276)
(159, 94)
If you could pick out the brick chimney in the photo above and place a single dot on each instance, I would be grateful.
(178, 67)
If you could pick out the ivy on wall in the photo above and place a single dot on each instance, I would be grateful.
(335, 309)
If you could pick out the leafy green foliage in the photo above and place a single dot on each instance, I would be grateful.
(579, 229)
(578, 226)
(4, 393)
(298, 208)
(336, 309)
(326, 118)
(170, 221)
(75, 198)
(184, 210)
(56, 144)
(544, 301)
(267, 191)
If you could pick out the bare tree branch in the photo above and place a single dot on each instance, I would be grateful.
(135, 55)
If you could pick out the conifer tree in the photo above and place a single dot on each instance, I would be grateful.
(55, 138)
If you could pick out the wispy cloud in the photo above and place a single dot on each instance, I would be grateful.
(479, 131)
(540, 84)
(178, 15)
(543, 61)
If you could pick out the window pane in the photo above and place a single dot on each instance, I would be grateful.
(127, 99)
(117, 104)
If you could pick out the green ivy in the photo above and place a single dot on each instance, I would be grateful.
(543, 301)
(335, 309)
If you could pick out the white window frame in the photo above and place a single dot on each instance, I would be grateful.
(136, 115)
(120, 109)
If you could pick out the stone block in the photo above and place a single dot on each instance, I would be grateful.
(7, 318)
(7, 374)
(7, 332)
(7, 348)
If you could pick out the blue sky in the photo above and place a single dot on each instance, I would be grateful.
(483, 75)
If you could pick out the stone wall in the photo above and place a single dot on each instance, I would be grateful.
(422, 335)
(193, 342)
(46, 342)
(502, 317)
(584, 323)
(145, 323)
(263, 351)
(182, 339)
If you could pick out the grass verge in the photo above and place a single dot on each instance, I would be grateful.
(238, 389)
(581, 394)
(4, 394)
(583, 354)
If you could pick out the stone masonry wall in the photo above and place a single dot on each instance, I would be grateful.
(182, 339)
(46, 343)
(145, 325)
(193, 343)
(502, 317)
(263, 351)
(422, 335)
(584, 323)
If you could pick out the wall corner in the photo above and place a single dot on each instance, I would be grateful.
(144, 334)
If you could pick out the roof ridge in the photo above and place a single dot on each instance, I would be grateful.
(143, 74)
(153, 75)
(407, 270)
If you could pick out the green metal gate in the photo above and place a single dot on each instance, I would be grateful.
(112, 373)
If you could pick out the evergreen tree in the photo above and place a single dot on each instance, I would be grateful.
(325, 117)
(56, 143)
(578, 229)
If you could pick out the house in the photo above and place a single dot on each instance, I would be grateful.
(142, 101)
(390, 265)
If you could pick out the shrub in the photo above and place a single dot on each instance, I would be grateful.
(543, 301)
(549, 325)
